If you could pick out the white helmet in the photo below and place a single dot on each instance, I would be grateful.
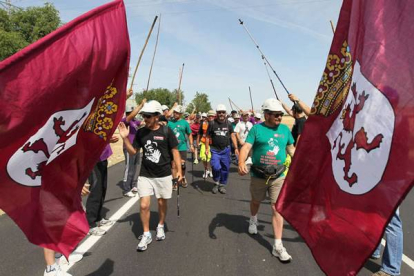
(272, 104)
(257, 115)
(164, 107)
(179, 109)
(151, 107)
(231, 120)
(204, 114)
(221, 107)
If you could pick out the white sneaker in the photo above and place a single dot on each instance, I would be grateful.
(160, 233)
(143, 244)
(55, 270)
(129, 194)
(195, 161)
(73, 258)
(253, 227)
(106, 222)
(96, 231)
(210, 174)
(205, 175)
(281, 253)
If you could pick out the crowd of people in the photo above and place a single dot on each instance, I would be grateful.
(257, 142)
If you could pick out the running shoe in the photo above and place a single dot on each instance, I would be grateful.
(96, 231)
(106, 222)
(252, 227)
(143, 244)
(55, 270)
(222, 189)
(281, 253)
(160, 233)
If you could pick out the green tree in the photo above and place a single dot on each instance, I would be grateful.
(22, 27)
(200, 103)
(162, 95)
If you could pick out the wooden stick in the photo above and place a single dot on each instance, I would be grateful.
(142, 51)
(332, 26)
(250, 91)
(155, 51)
(179, 85)
(231, 106)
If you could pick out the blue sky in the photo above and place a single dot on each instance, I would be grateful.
(219, 57)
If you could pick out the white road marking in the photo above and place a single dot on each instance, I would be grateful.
(92, 240)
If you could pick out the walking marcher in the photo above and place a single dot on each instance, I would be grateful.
(269, 141)
(131, 161)
(306, 109)
(236, 119)
(393, 251)
(98, 180)
(159, 146)
(181, 129)
(219, 132)
(242, 129)
(297, 113)
(205, 154)
(195, 128)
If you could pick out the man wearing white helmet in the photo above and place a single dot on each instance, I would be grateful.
(205, 155)
(220, 132)
(181, 129)
(270, 141)
(159, 146)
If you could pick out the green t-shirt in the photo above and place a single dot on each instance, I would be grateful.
(269, 144)
(180, 129)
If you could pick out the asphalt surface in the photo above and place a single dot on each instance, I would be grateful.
(209, 238)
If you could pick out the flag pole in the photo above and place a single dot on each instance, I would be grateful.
(231, 106)
(263, 56)
(142, 51)
(179, 84)
(155, 51)
(251, 100)
(332, 26)
(238, 108)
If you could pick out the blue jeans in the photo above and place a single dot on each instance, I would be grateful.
(220, 164)
(393, 251)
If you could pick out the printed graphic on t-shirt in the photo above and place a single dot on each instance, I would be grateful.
(221, 131)
(152, 153)
(274, 146)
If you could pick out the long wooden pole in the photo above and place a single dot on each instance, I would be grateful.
(332, 26)
(179, 85)
(142, 51)
(238, 108)
(231, 106)
(155, 51)
(251, 100)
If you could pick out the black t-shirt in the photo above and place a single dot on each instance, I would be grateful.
(298, 128)
(220, 134)
(163, 119)
(157, 154)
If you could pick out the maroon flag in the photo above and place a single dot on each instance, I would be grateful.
(353, 166)
(61, 99)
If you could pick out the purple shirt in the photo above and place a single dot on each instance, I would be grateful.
(133, 127)
(106, 153)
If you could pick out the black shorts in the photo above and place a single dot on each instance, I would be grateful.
(183, 155)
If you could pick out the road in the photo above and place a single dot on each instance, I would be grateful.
(209, 238)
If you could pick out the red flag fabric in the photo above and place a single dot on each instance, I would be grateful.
(353, 165)
(61, 99)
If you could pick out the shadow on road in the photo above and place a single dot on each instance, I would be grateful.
(372, 266)
(135, 221)
(237, 224)
(106, 269)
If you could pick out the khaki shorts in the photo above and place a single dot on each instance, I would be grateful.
(161, 187)
(258, 188)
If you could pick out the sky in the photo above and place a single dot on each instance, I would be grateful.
(220, 59)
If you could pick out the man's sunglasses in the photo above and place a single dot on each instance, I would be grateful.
(276, 115)
(147, 116)
(221, 112)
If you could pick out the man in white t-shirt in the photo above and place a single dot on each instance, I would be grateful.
(242, 129)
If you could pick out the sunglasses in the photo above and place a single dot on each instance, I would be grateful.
(276, 115)
(147, 116)
(221, 112)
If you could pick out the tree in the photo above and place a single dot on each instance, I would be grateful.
(162, 95)
(200, 103)
(21, 27)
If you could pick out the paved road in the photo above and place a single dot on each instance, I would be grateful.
(209, 238)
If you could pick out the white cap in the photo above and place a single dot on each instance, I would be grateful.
(257, 115)
(129, 108)
(236, 116)
(203, 114)
(151, 107)
(272, 104)
(164, 107)
(221, 107)
(178, 109)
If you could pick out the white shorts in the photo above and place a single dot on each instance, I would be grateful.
(161, 187)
